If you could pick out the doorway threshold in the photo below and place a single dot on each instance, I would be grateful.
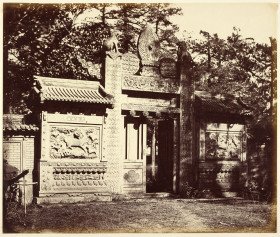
(158, 195)
(149, 195)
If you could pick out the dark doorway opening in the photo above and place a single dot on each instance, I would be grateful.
(160, 156)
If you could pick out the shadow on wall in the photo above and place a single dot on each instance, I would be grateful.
(216, 179)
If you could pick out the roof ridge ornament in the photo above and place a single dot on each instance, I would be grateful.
(148, 48)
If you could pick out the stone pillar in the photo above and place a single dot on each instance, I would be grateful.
(186, 122)
(114, 122)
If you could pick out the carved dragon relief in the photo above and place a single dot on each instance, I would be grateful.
(83, 143)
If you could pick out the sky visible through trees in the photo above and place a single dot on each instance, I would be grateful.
(50, 40)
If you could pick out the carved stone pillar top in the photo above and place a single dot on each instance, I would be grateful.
(148, 47)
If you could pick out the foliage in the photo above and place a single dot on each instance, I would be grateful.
(49, 40)
(239, 67)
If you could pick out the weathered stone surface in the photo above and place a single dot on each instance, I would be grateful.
(152, 84)
(19, 152)
(187, 122)
(75, 142)
(168, 68)
(148, 46)
(71, 157)
(97, 141)
(130, 63)
(114, 124)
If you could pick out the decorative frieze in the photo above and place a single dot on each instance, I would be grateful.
(72, 176)
(130, 63)
(132, 107)
(71, 118)
(152, 84)
(152, 102)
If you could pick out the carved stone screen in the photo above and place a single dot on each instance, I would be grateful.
(72, 162)
(222, 150)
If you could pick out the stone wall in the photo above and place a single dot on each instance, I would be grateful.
(18, 150)
(72, 166)
(222, 149)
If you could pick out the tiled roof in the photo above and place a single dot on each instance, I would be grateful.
(206, 103)
(20, 127)
(57, 89)
(16, 123)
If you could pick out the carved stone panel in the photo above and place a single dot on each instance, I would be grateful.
(133, 176)
(64, 177)
(223, 145)
(168, 68)
(140, 83)
(75, 142)
(130, 63)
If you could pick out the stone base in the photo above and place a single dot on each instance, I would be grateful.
(229, 194)
(72, 198)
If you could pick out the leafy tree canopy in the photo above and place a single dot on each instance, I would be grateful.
(49, 40)
(241, 67)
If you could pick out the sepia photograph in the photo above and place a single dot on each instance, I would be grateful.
(140, 117)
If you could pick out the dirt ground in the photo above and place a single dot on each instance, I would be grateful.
(145, 216)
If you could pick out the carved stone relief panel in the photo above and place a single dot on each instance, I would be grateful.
(153, 84)
(75, 142)
(168, 68)
(130, 63)
(133, 176)
(72, 176)
(223, 145)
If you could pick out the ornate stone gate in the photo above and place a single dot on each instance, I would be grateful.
(143, 134)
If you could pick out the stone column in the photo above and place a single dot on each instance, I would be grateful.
(186, 122)
(113, 123)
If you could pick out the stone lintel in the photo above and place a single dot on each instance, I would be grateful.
(150, 109)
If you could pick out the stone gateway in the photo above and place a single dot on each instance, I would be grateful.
(141, 128)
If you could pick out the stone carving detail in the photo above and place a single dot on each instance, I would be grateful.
(111, 44)
(69, 176)
(150, 84)
(79, 176)
(70, 142)
(168, 67)
(132, 177)
(183, 54)
(148, 46)
(46, 178)
(223, 145)
(222, 175)
(130, 63)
